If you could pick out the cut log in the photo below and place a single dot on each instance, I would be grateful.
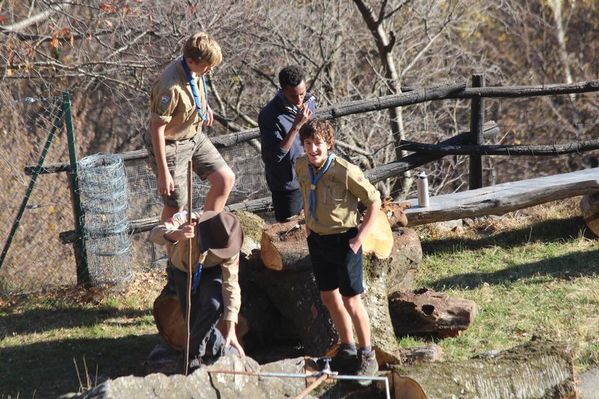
(425, 312)
(284, 246)
(589, 206)
(537, 369)
(400, 267)
(379, 241)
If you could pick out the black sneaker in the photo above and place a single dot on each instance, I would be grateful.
(368, 366)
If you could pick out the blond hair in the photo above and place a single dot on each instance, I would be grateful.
(202, 47)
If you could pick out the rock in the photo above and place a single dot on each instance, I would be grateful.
(588, 386)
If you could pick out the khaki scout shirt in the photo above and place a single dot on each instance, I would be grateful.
(178, 258)
(171, 102)
(337, 195)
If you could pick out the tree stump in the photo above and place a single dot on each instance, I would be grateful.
(537, 369)
(425, 312)
(289, 284)
(297, 300)
(589, 206)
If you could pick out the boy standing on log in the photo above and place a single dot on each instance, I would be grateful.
(178, 108)
(215, 286)
(331, 188)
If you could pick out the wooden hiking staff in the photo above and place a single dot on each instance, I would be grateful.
(189, 269)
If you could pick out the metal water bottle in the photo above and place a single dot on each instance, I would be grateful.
(422, 186)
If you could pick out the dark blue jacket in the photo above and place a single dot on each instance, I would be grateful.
(275, 121)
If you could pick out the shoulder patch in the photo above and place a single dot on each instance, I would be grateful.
(163, 104)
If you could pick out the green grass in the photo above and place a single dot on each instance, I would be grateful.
(539, 279)
(533, 274)
(44, 335)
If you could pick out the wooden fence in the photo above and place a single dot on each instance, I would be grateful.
(470, 143)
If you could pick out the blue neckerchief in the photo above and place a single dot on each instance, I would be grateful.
(194, 90)
(195, 278)
(197, 274)
(315, 179)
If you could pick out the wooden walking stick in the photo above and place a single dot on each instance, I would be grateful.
(189, 269)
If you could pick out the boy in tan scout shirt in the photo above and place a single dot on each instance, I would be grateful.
(178, 108)
(331, 188)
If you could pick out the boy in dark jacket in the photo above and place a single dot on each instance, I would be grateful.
(280, 121)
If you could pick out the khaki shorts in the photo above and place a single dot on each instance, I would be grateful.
(206, 160)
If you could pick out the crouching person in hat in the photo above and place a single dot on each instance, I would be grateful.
(216, 239)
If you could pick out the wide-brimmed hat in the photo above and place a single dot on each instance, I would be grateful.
(220, 232)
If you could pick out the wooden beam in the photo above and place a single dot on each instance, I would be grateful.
(503, 198)
(507, 150)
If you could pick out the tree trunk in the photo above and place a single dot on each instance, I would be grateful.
(537, 369)
(430, 313)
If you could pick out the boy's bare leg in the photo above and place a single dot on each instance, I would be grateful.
(342, 320)
(359, 317)
(221, 184)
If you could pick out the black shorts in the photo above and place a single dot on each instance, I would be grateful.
(335, 264)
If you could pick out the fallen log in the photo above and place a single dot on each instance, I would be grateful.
(536, 369)
(425, 312)
(505, 197)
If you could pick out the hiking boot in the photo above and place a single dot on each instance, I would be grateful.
(368, 366)
(345, 360)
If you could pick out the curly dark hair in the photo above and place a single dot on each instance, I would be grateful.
(318, 128)
(291, 76)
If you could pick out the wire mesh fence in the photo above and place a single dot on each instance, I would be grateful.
(36, 259)
(103, 191)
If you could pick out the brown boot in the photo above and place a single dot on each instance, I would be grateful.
(368, 366)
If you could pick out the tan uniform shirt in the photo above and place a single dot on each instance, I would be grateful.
(178, 258)
(171, 102)
(337, 195)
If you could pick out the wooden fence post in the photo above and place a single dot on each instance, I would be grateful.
(477, 120)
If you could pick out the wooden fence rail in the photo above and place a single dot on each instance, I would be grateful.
(415, 96)
(470, 143)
